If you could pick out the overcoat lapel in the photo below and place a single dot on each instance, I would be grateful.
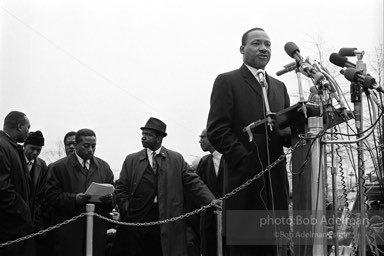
(25, 168)
(75, 164)
(139, 172)
(251, 80)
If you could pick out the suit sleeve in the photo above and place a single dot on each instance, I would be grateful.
(219, 125)
(123, 190)
(109, 179)
(286, 97)
(62, 201)
(196, 186)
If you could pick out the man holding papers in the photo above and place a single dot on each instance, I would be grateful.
(68, 180)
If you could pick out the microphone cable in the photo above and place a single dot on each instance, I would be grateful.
(266, 101)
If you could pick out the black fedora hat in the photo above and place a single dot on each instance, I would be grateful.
(157, 125)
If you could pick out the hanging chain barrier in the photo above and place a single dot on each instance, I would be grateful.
(43, 231)
(226, 196)
(186, 215)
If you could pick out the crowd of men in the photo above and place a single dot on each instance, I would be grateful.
(155, 183)
(146, 191)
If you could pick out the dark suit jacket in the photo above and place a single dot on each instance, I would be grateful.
(206, 171)
(208, 229)
(237, 101)
(66, 178)
(15, 204)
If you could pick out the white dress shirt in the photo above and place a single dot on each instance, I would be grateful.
(81, 161)
(29, 163)
(149, 153)
(216, 157)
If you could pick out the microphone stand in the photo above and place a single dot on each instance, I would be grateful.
(268, 113)
(358, 108)
(302, 100)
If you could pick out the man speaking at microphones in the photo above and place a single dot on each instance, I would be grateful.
(237, 100)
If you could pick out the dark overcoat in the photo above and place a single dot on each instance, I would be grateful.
(42, 211)
(66, 178)
(173, 175)
(38, 173)
(15, 204)
(236, 102)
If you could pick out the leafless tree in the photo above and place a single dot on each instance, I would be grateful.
(54, 152)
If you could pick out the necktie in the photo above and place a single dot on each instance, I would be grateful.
(155, 167)
(265, 85)
(29, 165)
(31, 172)
(85, 167)
(154, 162)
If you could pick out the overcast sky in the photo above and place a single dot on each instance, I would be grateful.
(110, 65)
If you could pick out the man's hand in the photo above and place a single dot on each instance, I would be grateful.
(284, 134)
(218, 204)
(82, 198)
(107, 199)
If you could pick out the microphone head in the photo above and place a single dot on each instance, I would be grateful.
(347, 51)
(369, 81)
(290, 48)
(313, 90)
(338, 60)
(350, 74)
(317, 77)
(260, 71)
(314, 95)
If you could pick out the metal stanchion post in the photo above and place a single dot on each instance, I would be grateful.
(219, 218)
(315, 126)
(89, 235)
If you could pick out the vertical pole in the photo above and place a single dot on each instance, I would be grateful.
(381, 140)
(360, 162)
(315, 126)
(334, 200)
(89, 235)
(219, 233)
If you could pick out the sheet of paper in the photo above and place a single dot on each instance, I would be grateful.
(97, 190)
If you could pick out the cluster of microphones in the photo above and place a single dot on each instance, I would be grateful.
(350, 72)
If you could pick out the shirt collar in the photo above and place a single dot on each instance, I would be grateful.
(149, 152)
(216, 154)
(27, 161)
(81, 160)
(254, 71)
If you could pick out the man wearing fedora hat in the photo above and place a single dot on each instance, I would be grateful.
(38, 171)
(150, 188)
